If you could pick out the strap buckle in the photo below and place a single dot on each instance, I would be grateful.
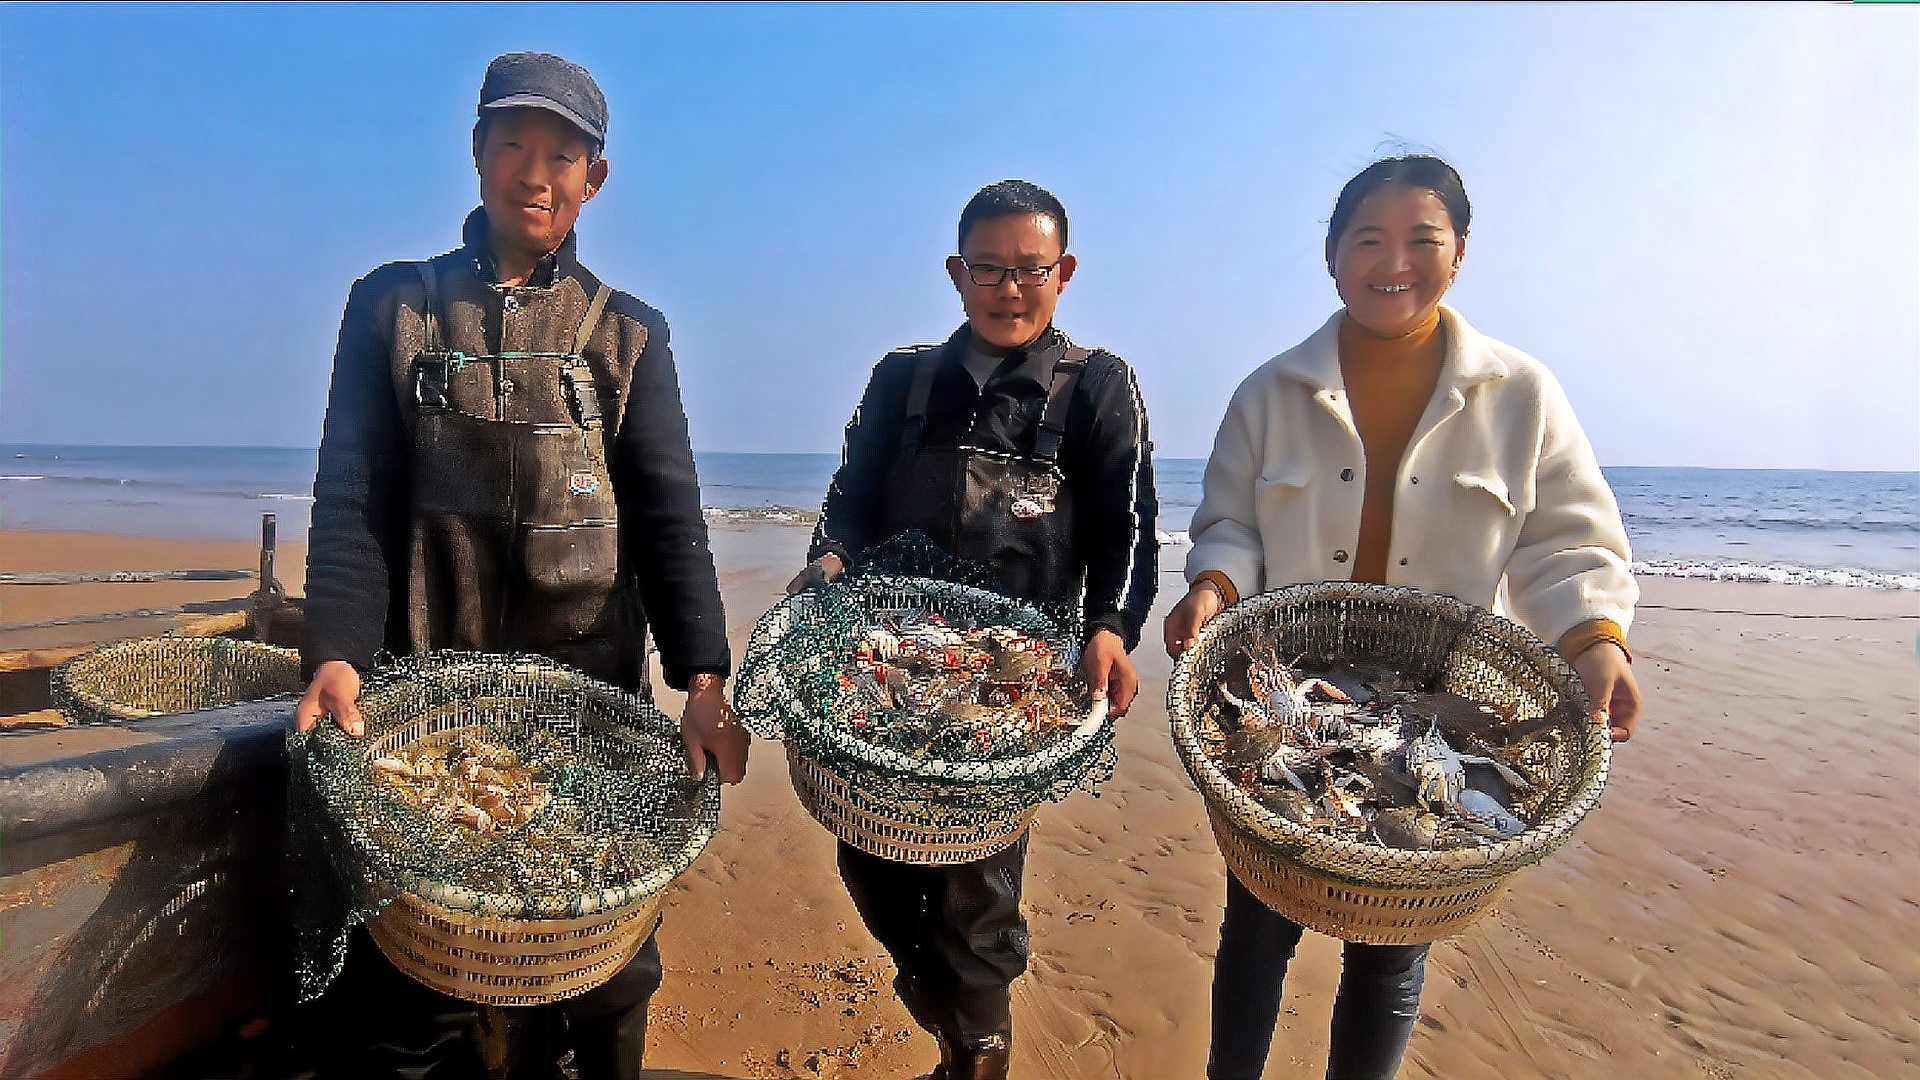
(583, 397)
(432, 372)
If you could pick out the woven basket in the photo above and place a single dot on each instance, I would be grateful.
(1360, 891)
(159, 676)
(876, 826)
(502, 949)
(922, 811)
(509, 961)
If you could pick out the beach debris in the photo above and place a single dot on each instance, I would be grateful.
(466, 779)
(1362, 751)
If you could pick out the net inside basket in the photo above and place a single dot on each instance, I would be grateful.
(1448, 646)
(607, 814)
(159, 676)
(792, 685)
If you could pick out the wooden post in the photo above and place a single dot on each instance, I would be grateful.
(267, 597)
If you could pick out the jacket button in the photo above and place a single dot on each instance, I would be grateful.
(1413, 479)
(1340, 556)
(1346, 474)
(510, 303)
(1403, 562)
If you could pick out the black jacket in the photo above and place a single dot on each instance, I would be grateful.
(357, 552)
(1107, 458)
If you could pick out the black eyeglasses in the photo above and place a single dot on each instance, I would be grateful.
(987, 275)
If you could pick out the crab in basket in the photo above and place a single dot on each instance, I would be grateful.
(1368, 762)
(925, 687)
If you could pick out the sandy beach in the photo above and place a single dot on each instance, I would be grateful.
(1744, 903)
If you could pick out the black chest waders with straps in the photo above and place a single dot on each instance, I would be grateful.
(515, 537)
(1008, 510)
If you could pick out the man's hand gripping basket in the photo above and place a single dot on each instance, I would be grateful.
(920, 722)
(1356, 889)
(506, 829)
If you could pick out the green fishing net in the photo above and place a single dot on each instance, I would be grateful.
(505, 786)
(927, 690)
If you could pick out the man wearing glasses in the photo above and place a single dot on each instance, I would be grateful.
(1010, 446)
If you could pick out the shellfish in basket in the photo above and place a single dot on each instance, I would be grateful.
(1361, 752)
(925, 688)
(465, 779)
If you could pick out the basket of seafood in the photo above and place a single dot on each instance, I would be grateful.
(159, 676)
(1377, 761)
(926, 720)
(506, 829)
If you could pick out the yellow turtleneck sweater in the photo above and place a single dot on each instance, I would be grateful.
(1389, 382)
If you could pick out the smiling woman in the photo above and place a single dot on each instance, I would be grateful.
(1317, 474)
(1395, 241)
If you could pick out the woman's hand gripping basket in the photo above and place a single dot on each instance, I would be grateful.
(1378, 762)
(925, 720)
(506, 828)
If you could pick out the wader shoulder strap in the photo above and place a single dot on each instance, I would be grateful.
(577, 380)
(430, 311)
(430, 374)
(592, 322)
(919, 392)
(1053, 422)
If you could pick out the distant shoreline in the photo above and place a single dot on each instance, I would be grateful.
(11, 449)
(1858, 529)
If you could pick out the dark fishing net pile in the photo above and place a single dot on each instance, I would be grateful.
(501, 786)
(914, 679)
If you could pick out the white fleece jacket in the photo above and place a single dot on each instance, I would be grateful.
(1498, 482)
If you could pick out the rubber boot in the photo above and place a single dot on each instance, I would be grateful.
(944, 1070)
(986, 1059)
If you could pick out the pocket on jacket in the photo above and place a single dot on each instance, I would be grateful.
(1491, 485)
(1483, 524)
(1282, 479)
(1282, 509)
(570, 577)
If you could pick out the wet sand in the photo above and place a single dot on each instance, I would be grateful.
(1744, 903)
(24, 607)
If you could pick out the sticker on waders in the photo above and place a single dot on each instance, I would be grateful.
(1035, 497)
(583, 483)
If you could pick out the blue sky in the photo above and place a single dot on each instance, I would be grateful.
(1702, 218)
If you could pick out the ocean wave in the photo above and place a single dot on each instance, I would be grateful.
(1838, 520)
(22, 478)
(777, 515)
(1174, 539)
(281, 495)
(1779, 574)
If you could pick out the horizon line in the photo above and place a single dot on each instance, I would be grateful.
(831, 453)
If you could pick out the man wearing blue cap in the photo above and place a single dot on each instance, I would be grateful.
(505, 467)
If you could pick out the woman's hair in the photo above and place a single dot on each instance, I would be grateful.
(1414, 170)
